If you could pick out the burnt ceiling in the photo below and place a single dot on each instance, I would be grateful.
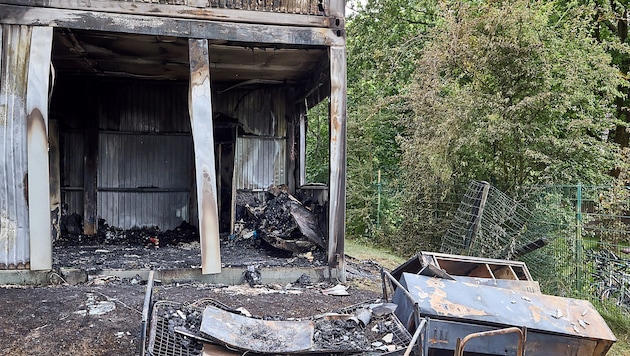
(82, 52)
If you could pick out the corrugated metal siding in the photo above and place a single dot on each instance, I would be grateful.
(161, 165)
(144, 106)
(125, 210)
(72, 172)
(14, 231)
(260, 112)
(260, 162)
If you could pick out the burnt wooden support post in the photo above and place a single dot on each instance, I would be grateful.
(302, 138)
(200, 106)
(291, 153)
(337, 178)
(37, 148)
(55, 177)
(90, 169)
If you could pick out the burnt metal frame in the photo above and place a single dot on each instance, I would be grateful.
(421, 323)
(461, 343)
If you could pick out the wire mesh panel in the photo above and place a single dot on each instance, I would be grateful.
(488, 223)
(166, 316)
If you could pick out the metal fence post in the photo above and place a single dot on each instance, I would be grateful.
(578, 238)
(378, 202)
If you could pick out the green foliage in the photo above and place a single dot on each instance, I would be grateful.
(384, 38)
(512, 93)
(317, 148)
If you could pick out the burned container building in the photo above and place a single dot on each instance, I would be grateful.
(151, 113)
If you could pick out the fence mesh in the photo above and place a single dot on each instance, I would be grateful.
(585, 230)
(489, 223)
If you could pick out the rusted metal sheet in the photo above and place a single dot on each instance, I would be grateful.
(260, 162)
(484, 305)
(456, 265)
(14, 228)
(257, 335)
(37, 140)
(201, 120)
(338, 142)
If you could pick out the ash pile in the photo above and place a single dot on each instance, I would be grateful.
(71, 229)
(279, 220)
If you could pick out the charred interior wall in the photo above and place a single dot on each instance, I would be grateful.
(143, 148)
(139, 131)
(261, 142)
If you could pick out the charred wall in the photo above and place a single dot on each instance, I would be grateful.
(139, 131)
(14, 224)
(143, 149)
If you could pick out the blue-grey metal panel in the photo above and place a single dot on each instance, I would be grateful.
(144, 106)
(73, 202)
(14, 231)
(72, 160)
(144, 209)
(451, 299)
(144, 161)
(260, 162)
(260, 112)
(443, 335)
(143, 179)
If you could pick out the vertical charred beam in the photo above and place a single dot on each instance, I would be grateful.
(37, 151)
(55, 177)
(90, 168)
(337, 178)
(302, 149)
(200, 106)
(291, 152)
(234, 176)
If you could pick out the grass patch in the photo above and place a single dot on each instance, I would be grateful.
(383, 257)
(618, 320)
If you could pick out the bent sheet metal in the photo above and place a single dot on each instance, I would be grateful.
(264, 336)
(545, 317)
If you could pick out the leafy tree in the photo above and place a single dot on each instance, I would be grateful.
(511, 92)
(384, 38)
(610, 27)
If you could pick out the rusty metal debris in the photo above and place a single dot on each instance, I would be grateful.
(448, 303)
(178, 329)
(264, 336)
(483, 296)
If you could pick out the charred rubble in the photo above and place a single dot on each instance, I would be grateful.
(357, 330)
(72, 234)
(280, 221)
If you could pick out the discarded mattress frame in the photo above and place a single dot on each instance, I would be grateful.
(449, 303)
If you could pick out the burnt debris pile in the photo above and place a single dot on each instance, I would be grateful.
(72, 234)
(278, 220)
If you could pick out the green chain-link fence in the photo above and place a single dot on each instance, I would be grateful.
(585, 229)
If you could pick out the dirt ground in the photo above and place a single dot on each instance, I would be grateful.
(103, 316)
